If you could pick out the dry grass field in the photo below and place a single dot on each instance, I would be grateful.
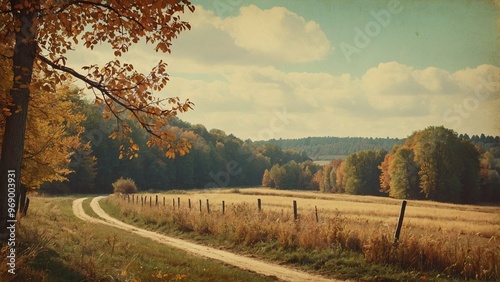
(460, 241)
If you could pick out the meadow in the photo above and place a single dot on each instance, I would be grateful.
(54, 246)
(351, 237)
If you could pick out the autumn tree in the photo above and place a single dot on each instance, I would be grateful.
(385, 176)
(36, 37)
(362, 173)
(53, 132)
(404, 180)
(309, 168)
(340, 177)
(316, 180)
(293, 175)
(449, 166)
(328, 181)
(278, 174)
(489, 178)
(325, 185)
(266, 179)
(434, 164)
(333, 175)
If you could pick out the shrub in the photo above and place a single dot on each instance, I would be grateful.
(124, 186)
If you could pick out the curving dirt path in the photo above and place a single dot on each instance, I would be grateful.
(268, 269)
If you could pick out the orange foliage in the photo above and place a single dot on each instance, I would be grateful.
(52, 133)
(58, 26)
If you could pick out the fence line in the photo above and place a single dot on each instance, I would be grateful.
(135, 200)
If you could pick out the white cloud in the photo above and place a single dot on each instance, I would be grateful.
(436, 80)
(232, 69)
(279, 34)
(323, 104)
(255, 36)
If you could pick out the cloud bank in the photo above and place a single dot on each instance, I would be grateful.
(242, 74)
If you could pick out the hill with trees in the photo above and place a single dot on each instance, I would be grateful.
(327, 148)
(215, 159)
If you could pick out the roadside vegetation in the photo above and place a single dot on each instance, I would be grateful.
(352, 239)
(56, 246)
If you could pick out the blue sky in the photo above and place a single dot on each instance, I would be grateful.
(451, 35)
(289, 69)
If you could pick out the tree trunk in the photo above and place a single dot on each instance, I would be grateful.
(15, 125)
(22, 199)
(24, 212)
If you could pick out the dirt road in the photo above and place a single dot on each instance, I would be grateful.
(280, 272)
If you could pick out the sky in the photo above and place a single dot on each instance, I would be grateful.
(263, 69)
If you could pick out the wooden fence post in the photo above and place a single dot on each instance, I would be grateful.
(400, 222)
(189, 203)
(295, 215)
(128, 198)
(163, 201)
(208, 207)
(223, 207)
(179, 202)
(200, 206)
(173, 203)
(259, 205)
(316, 210)
(142, 201)
(150, 201)
(156, 202)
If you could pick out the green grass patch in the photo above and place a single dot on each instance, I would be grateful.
(88, 210)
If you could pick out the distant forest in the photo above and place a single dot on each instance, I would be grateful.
(327, 148)
(216, 159)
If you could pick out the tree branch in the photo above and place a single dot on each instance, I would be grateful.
(29, 155)
(108, 7)
(104, 91)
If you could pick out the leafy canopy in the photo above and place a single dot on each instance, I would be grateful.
(53, 132)
(59, 25)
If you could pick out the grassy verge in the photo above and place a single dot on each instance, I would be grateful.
(88, 210)
(53, 245)
(327, 248)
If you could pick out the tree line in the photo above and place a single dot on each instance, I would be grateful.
(215, 159)
(320, 148)
(434, 164)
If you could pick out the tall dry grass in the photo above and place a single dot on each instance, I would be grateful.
(28, 246)
(461, 255)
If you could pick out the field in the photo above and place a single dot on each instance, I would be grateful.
(54, 245)
(352, 237)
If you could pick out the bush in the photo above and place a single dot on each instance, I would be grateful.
(124, 186)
